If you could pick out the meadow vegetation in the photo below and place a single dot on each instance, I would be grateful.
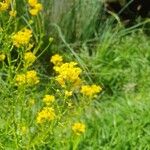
(72, 79)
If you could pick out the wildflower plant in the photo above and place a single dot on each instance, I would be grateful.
(38, 112)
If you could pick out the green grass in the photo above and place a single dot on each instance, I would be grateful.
(111, 56)
(120, 123)
(119, 119)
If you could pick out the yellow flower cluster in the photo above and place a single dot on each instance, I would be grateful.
(29, 58)
(2, 57)
(29, 78)
(4, 5)
(46, 114)
(68, 73)
(22, 37)
(68, 93)
(56, 60)
(13, 13)
(35, 7)
(78, 128)
(90, 90)
(20, 79)
(48, 99)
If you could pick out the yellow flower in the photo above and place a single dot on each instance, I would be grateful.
(22, 37)
(46, 114)
(56, 59)
(38, 6)
(4, 5)
(20, 79)
(68, 93)
(35, 7)
(78, 128)
(33, 12)
(31, 77)
(90, 90)
(68, 73)
(48, 99)
(32, 3)
(29, 58)
(60, 80)
(13, 13)
(2, 57)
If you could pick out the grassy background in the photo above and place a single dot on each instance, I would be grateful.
(119, 119)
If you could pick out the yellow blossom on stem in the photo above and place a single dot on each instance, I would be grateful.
(48, 99)
(31, 77)
(90, 90)
(13, 13)
(68, 93)
(20, 79)
(46, 114)
(4, 5)
(29, 58)
(33, 11)
(35, 7)
(56, 59)
(60, 80)
(38, 6)
(68, 73)
(78, 128)
(32, 3)
(22, 37)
